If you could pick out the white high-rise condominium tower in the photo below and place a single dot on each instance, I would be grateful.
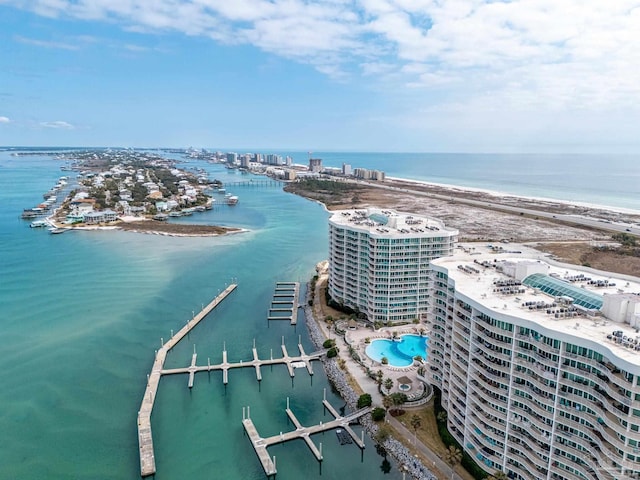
(538, 364)
(379, 261)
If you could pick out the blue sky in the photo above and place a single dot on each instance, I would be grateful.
(363, 75)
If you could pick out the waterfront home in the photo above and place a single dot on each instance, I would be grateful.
(82, 205)
(75, 217)
(137, 211)
(101, 216)
(110, 215)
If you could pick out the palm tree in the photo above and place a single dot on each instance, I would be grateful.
(416, 422)
(387, 403)
(379, 376)
(388, 384)
(453, 456)
(442, 417)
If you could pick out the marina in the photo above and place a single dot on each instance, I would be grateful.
(261, 444)
(145, 437)
(50, 200)
(284, 305)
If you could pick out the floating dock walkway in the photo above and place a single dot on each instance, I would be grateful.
(284, 305)
(260, 444)
(303, 360)
(145, 439)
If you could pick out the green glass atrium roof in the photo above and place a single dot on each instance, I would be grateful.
(557, 288)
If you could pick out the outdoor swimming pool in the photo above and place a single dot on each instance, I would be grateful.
(400, 353)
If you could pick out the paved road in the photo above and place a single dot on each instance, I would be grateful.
(434, 460)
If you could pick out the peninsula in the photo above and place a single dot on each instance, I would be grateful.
(134, 191)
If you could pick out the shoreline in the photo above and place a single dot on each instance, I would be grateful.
(338, 379)
(503, 195)
(138, 226)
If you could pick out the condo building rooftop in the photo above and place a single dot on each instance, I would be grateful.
(517, 281)
(384, 222)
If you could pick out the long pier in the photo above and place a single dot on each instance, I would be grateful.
(254, 183)
(285, 293)
(145, 438)
(260, 444)
(303, 360)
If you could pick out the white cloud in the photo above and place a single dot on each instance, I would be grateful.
(58, 124)
(5, 120)
(45, 43)
(520, 54)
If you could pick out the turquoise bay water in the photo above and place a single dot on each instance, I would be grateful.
(83, 312)
(399, 353)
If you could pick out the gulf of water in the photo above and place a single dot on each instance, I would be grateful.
(83, 312)
(608, 180)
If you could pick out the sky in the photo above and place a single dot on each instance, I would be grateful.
(339, 75)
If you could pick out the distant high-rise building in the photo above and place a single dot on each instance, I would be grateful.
(377, 175)
(346, 169)
(273, 159)
(232, 157)
(362, 173)
(288, 161)
(315, 164)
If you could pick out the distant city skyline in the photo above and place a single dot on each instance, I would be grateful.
(330, 75)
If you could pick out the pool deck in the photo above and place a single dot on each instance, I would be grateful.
(403, 357)
(356, 338)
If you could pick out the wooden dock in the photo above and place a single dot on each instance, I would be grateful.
(302, 360)
(145, 439)
(260, 444)
(285, 293)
